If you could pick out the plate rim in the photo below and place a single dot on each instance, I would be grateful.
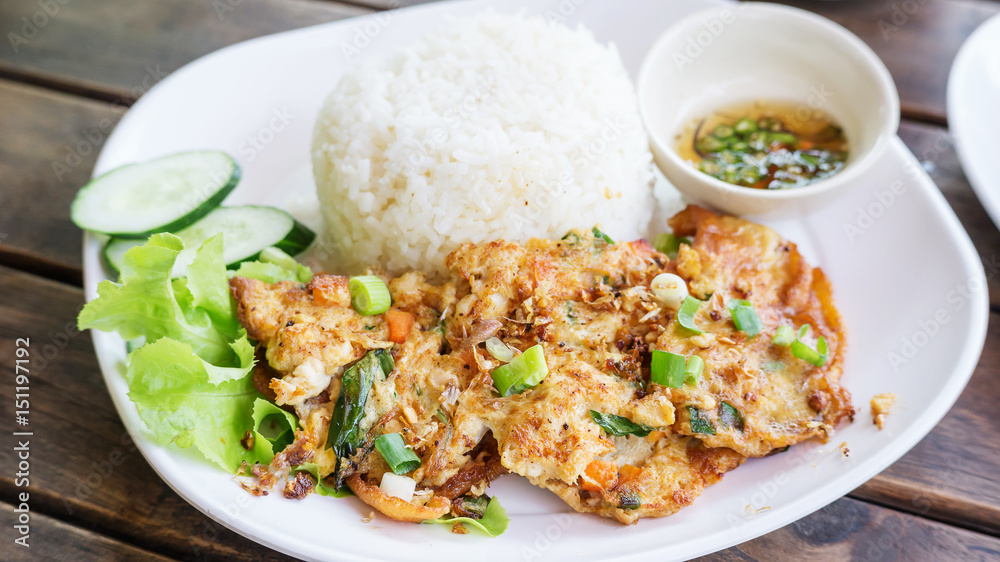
(969, 357)
(958, 80)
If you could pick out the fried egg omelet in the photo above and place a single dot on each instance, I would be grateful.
(589, 304)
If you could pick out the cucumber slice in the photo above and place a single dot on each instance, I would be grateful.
(162, 195)
(246, 231)
(115, 248)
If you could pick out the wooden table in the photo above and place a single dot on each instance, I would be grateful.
(71, 72)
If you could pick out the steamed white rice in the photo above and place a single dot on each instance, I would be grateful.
(498, 127)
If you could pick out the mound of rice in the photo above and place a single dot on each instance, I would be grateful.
(498, 127)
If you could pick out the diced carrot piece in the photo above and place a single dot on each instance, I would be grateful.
(599, 476)
(399, 322)
(627, 473)
(655, 436)
(330, 290)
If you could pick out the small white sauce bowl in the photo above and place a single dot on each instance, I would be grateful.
(720, 57)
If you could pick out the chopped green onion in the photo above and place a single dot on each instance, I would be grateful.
(722, 131)
(745, 126)
(397, 455)
(787, 139)
(803, 351)
(729, 415)
(784, 336)
(698, 423)
(523, 372)
(499, 350)
(629, 500)
(745, 317)
(692, 372)
(685, 315)
(667, 368)
(602, 236)
(710, 144)
(571, 238)
(617, 425)
(369, 295)
(669, 243)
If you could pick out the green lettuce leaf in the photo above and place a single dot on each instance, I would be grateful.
(274, 429)
(208, 282)
(146, 303)
(493, 523)
(173, 390)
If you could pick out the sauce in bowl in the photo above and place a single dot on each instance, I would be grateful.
(765, 145)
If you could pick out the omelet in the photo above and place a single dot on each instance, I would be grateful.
(595, 430)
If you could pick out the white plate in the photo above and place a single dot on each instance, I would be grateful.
(974, 112)
(885, 289)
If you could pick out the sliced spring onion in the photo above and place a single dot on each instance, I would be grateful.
(571, 238)
(669, 243)
(685, 315)
(617, 425)
(369, 295)
(629, 500)
(745, 317)
(695, 365)
(722, 131)
(729, 415)
(397, 455)
(784, 336)
(698, 423)
(745, 126)
(804, 352)
(441, 416)
(523, 372)
(499, 350)
(602, 236)
(667, 368)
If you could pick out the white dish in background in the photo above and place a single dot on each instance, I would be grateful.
(974, 112)
(701, 65)
(270, 89)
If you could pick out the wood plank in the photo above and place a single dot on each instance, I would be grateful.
(51, 539)
(70, 405)
(917, 40)
(47, 152)
(116, 50)
(853, 530)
